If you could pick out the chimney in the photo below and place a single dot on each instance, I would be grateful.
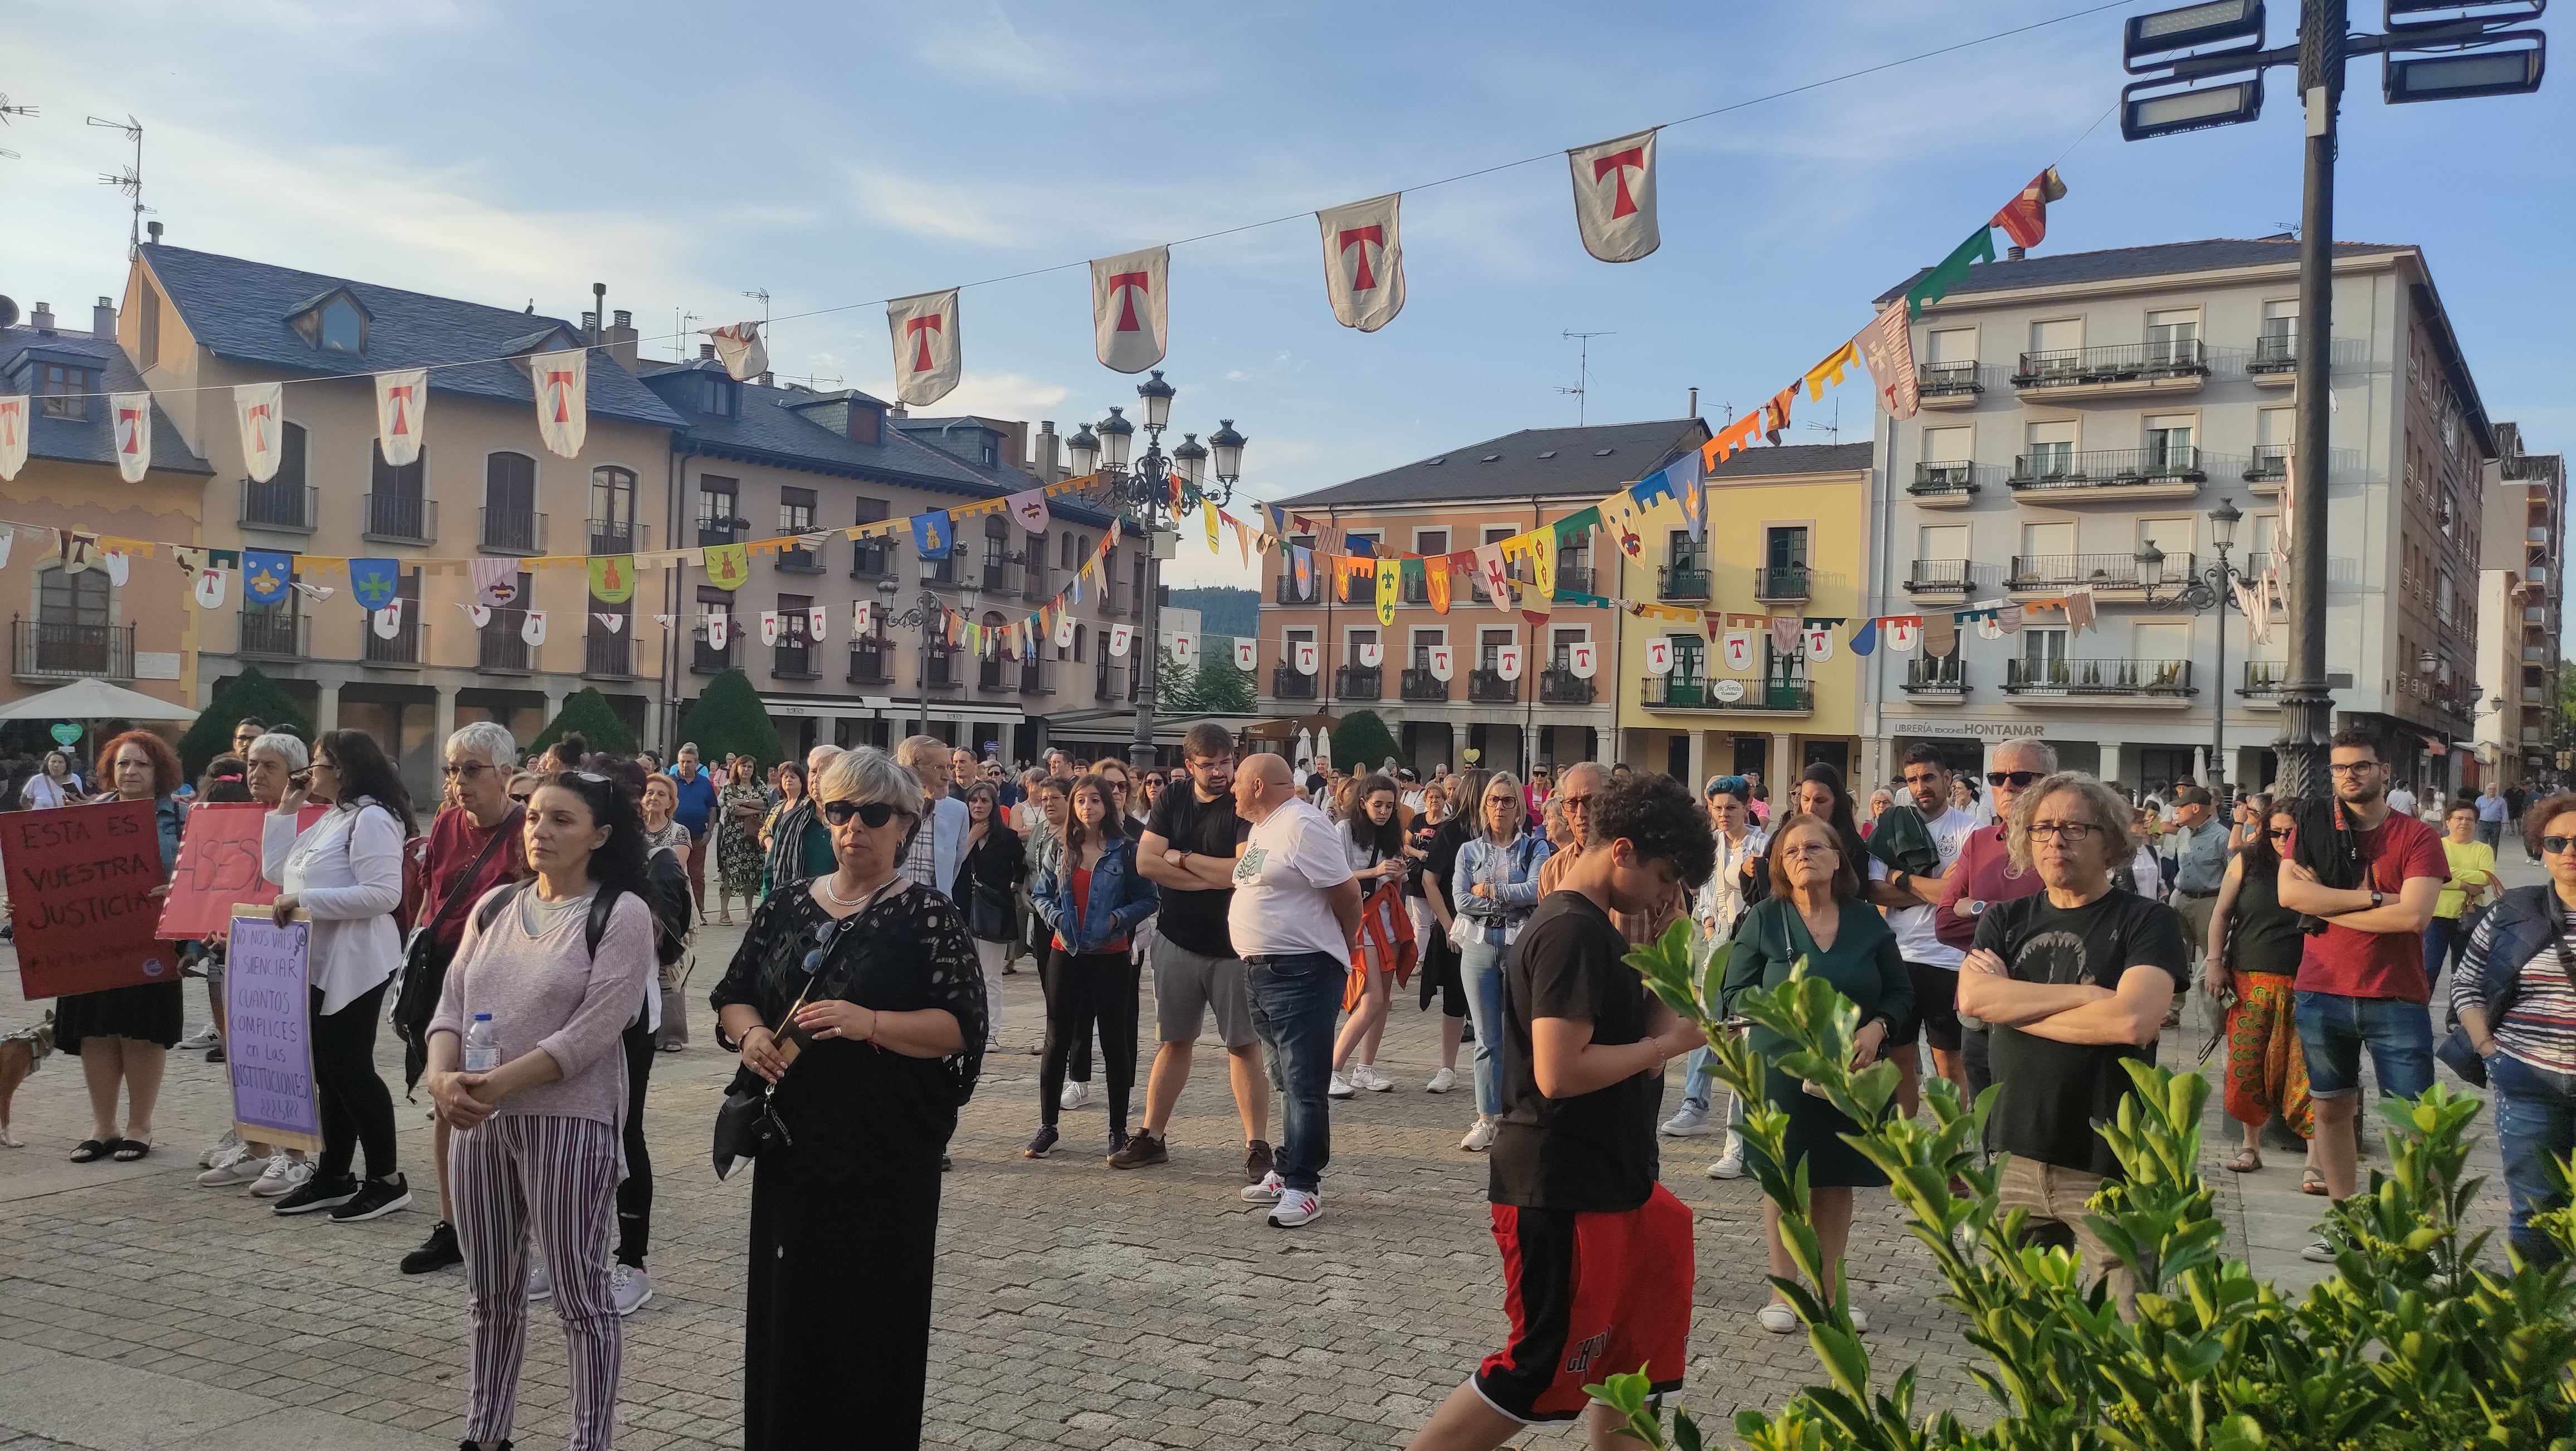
(589, 326)
(1694, 408)
(898, 411)
(42, 319)
(1044, 452)
(598, 314)
(153, 230)
(768, 380)
(622, 339)
(2014, 254)
(706, 350)
(102, 318)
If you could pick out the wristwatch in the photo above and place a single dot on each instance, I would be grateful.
(2378, 898)
(1176, 856)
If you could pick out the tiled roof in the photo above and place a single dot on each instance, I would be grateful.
(239, 309)
(92, 440)
(2064, 269)
(1761, 461)
(1535, 462)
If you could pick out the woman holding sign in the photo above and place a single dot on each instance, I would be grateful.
(345, 873)
(123, 1036)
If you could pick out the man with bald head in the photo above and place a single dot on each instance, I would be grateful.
(1984, 876)
(1296, 908)
(1581, 785)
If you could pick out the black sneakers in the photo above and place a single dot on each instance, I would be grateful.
(317, 1193)
(375, 1199)
(1143, 1149)
(436, 1252)
(1041, 1143)
(1257, 1163)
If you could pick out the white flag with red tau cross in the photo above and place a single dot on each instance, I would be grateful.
(563, 398)
(924, 328)
(262, 409)
(1363, 262)
(739, 348)
(132, 413)
(13, 435)
(1130, 315)
(1614, 197)
(402, 403)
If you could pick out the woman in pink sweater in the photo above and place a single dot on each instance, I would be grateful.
(560, 964)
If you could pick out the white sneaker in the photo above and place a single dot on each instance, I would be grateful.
(1777, 1318)
(220, 1147)
(2319, 1251)
(1442, 1081)
(1690, 1123)
(1730, 1160)
(1296, 1207)
(541, 1281)
(1860, 1321)
(1367, 1076)
(231, 1169)
(282, 1176)
(1339, 1087)
(1076, 1094)
(1480, 1138)
(204, 1038)
(1267, 1191)
(630, 1287)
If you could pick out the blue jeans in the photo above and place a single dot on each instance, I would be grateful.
(1699, 1089)
(1294, 1001)
(2535, 1113)
(1480, 964)
(2334, 1029)
(2444, 939)
(2491, 832)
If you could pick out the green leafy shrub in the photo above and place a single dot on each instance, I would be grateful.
(588, 712)
(247, 694)
(1361, 743)
(2415, 1343)
(728, 719)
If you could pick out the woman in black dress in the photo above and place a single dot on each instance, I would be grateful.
(123, 1035)
(857, 995)
(989, 872)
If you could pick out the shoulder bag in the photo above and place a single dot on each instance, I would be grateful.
(424, 967)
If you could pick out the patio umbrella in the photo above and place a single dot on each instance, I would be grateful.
(94, 700)
(1305, 744)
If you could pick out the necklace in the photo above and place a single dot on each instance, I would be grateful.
(836, 898)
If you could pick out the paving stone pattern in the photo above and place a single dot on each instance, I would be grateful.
(1077, 1306)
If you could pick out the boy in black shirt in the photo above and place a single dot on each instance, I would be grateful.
(1596, 1254)
(2071, 983)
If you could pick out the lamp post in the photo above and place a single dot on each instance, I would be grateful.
(2444, 57)
(924, 612)
(2210, 588)
(1145, 493)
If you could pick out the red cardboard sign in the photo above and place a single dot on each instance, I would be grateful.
(219, 866)
(80, 884)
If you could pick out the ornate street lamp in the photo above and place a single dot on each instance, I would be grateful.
(2210, 588)
(924, 613)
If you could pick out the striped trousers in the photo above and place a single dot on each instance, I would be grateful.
(511, 1176)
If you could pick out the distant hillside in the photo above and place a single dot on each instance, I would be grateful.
(1223, 610)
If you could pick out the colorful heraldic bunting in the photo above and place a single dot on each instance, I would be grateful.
(612, 578)
(1444, 663)
(1302, 655)
(388, 620)
(1185, 650)
(265, 573)
(1887, 346)
(1865, 639)
(1389, 575)
(1979, 247)
(1581, 660)
(1904, 632)
(374, 582)
(210, 589)
(1029, 506)
(533, 628)
(1507, 662)
(862, 615)
(1119, 638)
(931, 534)
(740, 348)
(496, 582)
(1363, 262)
(133, 415)
(609, 622)
(2025, 217)
(13, 435)
(261, 408)
(717, 620)
(1130, 311)
(769, 627)
(562, 381)
(818, 622)
(728, 566)
(1659, 655)
(1247, 655)
(926, 350)
(402, 409)
(1614, 197)
(1737, 650)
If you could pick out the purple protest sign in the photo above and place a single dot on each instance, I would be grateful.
(268, 1037)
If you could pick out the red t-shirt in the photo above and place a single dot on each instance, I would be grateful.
(454, 842)
(2360, 964)
(1082, 900)
(1982, 876)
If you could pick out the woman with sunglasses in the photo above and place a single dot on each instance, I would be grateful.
(1092, 897)
(857, 998)
(2254, 948)
(345, 873)
(2515, 997)
(1495, 887)
(557, 968)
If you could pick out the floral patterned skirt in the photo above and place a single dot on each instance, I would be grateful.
(2266, 1072)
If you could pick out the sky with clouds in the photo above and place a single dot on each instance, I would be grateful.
(840, 154)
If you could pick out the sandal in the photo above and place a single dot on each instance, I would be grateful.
(90, 1151)
(2312, 1181)
(129, 1150)
(2245, 1162)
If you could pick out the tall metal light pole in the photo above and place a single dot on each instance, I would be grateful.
(2423, 60)
(2210, 588)
(1151, 494)
(925, 612)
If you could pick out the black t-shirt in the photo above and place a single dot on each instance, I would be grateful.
(1196, 919)
(1447, 840)
(2053, 1093)
(1596, 1151)
(1421, 838)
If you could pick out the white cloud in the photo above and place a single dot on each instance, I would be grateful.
(941, 211)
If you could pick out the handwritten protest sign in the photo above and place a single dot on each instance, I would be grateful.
(268, 1037)
(219, 868)
(80, 884)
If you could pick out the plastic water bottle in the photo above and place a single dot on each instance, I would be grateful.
(482, 1045)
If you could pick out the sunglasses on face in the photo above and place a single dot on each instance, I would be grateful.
(2281, 835)
(2557, 845)
(871, 815)
(2014, 778)
(521, 796)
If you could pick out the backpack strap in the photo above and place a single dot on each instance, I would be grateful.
(493, 904)
(591, 931)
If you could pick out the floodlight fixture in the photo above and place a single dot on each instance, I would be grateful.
(2169, 112)
(2151, 41)
(2512, 70)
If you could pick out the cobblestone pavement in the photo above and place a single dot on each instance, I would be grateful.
(1077, 1306)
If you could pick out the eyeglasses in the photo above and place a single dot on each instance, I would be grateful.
(1577, 803)
(2353, 768)
(1810, 851)
(2015, 778)
(2557, 845)
(823, 935)
(872, 814)
(2069, 832)
(468, 771)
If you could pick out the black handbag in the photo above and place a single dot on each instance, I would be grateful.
(745, 1126)
(2460, 1055)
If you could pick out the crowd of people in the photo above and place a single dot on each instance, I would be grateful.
(531, 945)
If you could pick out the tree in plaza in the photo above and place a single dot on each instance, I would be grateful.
(1360, 742)
(247, 694)
(587, 712)
(1214, 687)
(728, 719)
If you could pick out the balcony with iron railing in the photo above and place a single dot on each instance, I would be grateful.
(607, 656)
(2269, 463)
(1947, 385)
(400, 518)
(2169, 365)
(1117, 598)
(280, 632)
(1414, 589)
(1780, 582)
(1939, 577)
(2101, 571)
(1944, 485)
(871, 559)
(1109, 681)
(939, 571)
(795, 659)
(2154, 682)
(1488, 687)
(408, 645)
(1359, 682)
(1289, 594)
(1037, 677)
(871, 662)
(1681, 580)
(1287, 682)
(797, 559)
(944, 668)
(1575, 577)
(1035, 584)
(714, 531)
(1678, 691)
(512, 531)
(54, 650)
(1559, 685)
(997, 676)
(1936, 677)
(618, 536)
(501, 646)
(706, 659)
(2264, 680)
(2174, 472)
(281, 505)
(2276, 358)
(1419, 684)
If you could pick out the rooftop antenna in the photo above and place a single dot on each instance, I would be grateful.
(130, 180)
(6, 111)
(680, 332)
(1834, 430)
(1582, 372)
(763, 294)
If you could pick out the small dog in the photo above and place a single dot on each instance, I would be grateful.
(19, 1055)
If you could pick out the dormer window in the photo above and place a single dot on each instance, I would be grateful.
(63, 389)
(344, 328)
(723, 396)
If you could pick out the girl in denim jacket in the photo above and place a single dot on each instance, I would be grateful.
(1091, 897)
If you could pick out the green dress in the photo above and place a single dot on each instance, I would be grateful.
(1865, 967)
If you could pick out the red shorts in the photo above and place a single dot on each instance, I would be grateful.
(1590, 1296)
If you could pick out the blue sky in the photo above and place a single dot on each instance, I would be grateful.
(834, 154)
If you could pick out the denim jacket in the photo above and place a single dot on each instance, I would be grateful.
(1120, 898)
(1496, 920)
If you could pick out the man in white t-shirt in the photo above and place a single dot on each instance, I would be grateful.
(1910, 898)
(1296, 908)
